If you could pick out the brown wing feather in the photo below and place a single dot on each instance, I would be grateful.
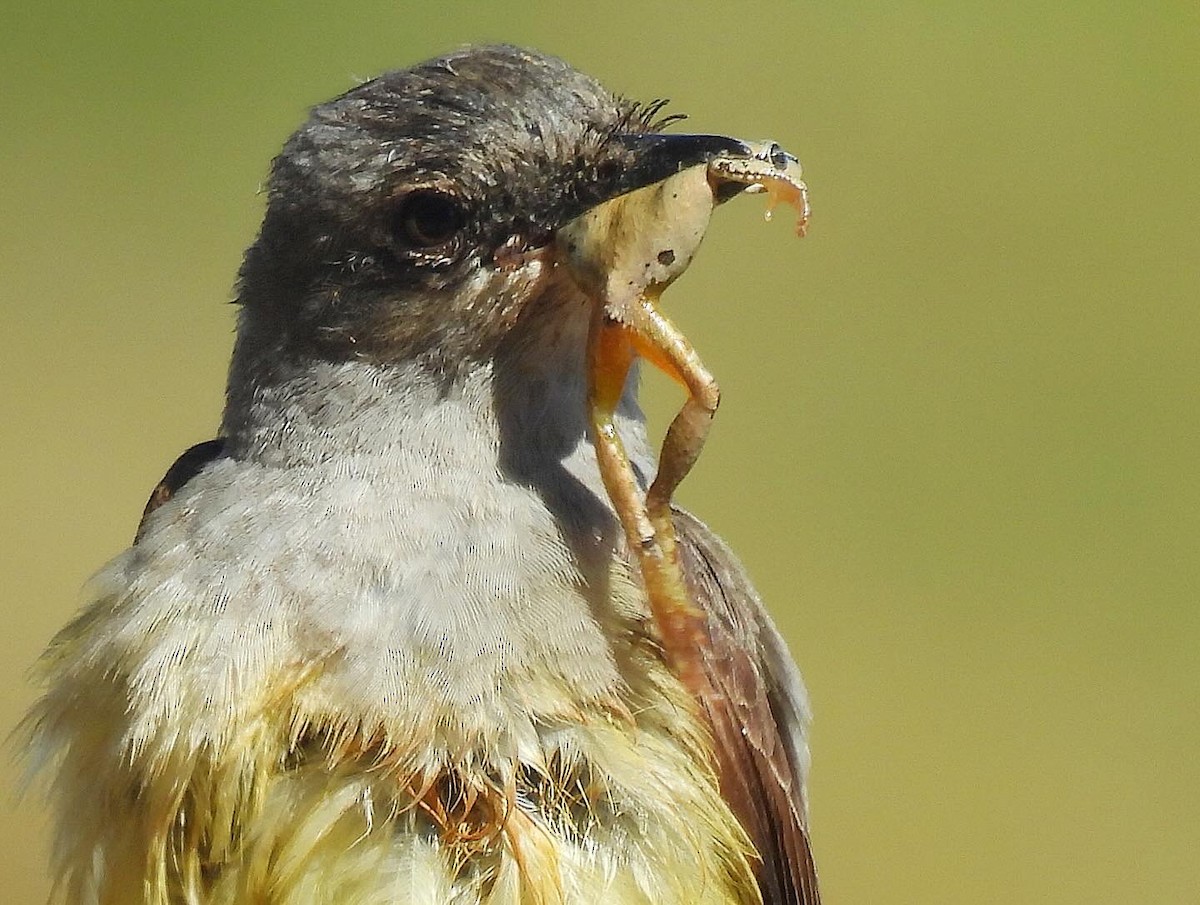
(757, 713)
(186, 467)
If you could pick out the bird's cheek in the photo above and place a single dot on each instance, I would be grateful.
(516, 251)
(497, 294)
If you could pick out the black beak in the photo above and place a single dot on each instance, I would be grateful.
(654, 156)
(643, 158)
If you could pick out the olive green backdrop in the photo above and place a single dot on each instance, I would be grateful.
(958, 444)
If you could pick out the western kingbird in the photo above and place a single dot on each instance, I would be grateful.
(402, 634)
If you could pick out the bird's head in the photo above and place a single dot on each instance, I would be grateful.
(414, 217)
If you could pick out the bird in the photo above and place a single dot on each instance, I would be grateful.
(386, 638)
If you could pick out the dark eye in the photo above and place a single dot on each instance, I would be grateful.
(427, 219)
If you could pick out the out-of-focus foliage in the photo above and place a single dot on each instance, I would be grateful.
(959, 440)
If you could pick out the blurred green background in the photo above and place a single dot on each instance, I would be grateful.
(958, 445)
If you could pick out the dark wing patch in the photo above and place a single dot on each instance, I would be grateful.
(186, 467)
(757, 714)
